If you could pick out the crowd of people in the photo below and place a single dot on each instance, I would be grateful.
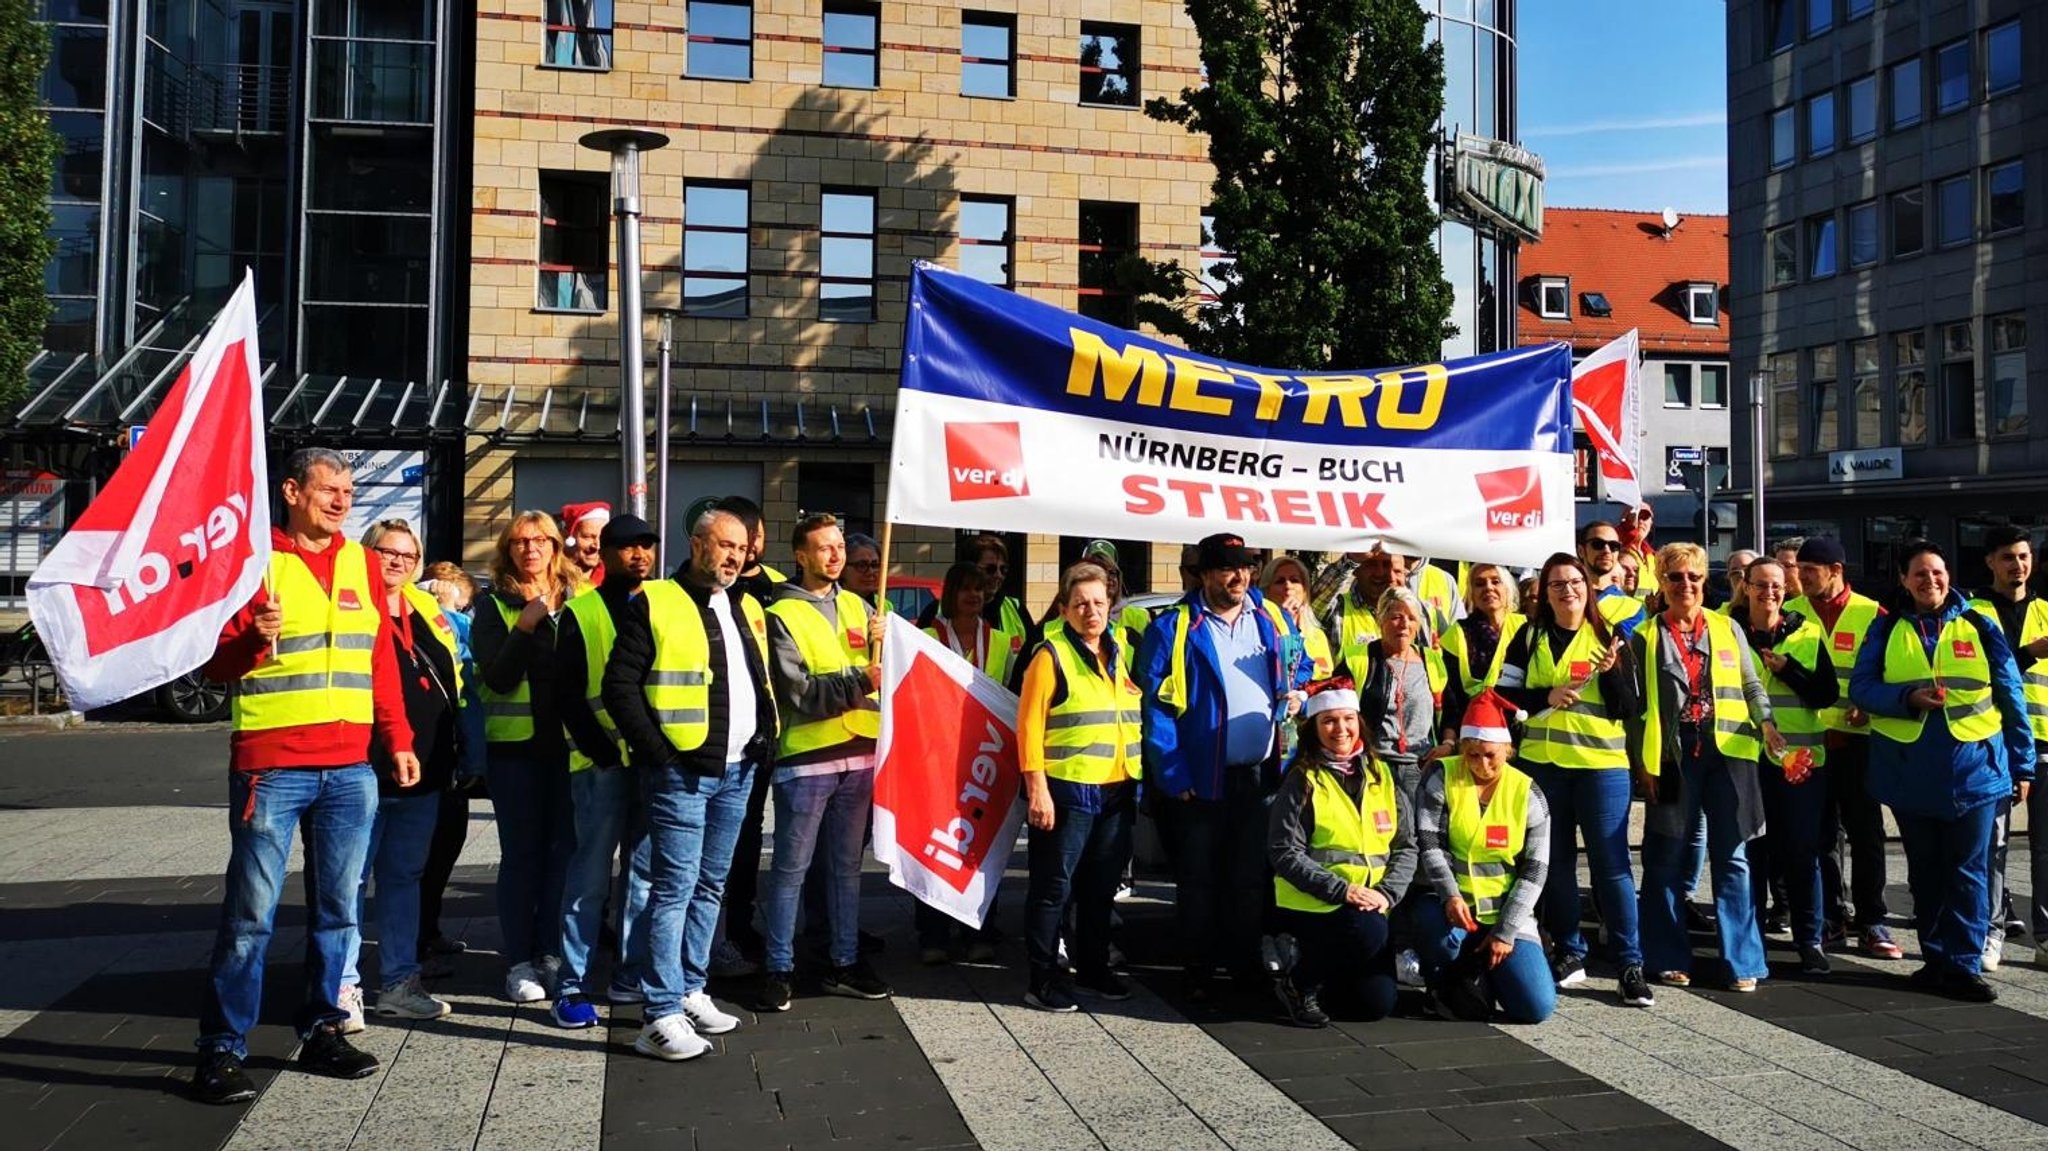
(1390, 792)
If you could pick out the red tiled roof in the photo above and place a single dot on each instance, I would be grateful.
(1626, 257)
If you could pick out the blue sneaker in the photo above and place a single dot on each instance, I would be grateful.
(573, 1012)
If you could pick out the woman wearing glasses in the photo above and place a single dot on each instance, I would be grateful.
(1577, 680)
(1706, 721)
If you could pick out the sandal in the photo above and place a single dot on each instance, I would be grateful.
(1675, 978)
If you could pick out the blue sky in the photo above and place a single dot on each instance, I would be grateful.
(1626, 101)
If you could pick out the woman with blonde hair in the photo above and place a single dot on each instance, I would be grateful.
(1475, 646)
(1285, 584)
(532, 577)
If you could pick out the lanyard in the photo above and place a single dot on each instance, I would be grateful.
(1399, 667)
(980, 640)
(1929, 641)
(1695, 666)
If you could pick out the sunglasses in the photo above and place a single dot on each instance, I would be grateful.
(1604, 545)
(1684, 577)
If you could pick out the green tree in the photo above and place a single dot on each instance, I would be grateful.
(27, 152)
(1320, 116)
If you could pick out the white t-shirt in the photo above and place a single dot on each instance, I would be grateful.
(740, 706)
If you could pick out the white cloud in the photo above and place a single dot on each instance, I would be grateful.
(1678, 164)
(1641, 124)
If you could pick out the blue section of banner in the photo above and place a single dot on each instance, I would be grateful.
(976, 341)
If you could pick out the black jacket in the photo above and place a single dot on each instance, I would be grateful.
(506, 655)
(572, 675)
(1815, 687)
(625, 697)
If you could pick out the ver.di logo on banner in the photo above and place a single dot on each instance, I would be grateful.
(1514, 500)
(985, 461)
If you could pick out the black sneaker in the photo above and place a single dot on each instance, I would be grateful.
(1968, 986)
(1813, 963)
(1102, 985)
(1301, 1006)
(219, 1078)
(1568, 970)
(1778, 922)
(1051, 995)
(775, 992)
(1635, 990)
(327, 1052)
(1926, 978)
(855, 982)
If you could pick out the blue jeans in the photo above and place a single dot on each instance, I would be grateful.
(530, 795)
(397, 857)
(1595, 803)
(814, 811)
(693, 822)
(607, 815)
(1078, 861)
(1667, 880)
(1795, 815)
(340, 804)
(1522, 986)
(1948, 864)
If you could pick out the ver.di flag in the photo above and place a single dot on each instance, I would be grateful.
(1607, 400)
(947, 810)
(135, 594)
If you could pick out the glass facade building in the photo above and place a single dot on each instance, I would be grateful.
(1479, 99)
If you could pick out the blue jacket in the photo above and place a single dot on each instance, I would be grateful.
(470, 745)
(1934, 775)
(1184, 752)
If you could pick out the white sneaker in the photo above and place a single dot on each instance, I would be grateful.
(729, 962)
(1408, 968)
(409, 1000)
(705, 1016)
(671, 1038)
(352, 1002)
(1994, 949)
(522, 984)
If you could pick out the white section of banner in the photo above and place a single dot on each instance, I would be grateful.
(1607, 404)
(970, 463)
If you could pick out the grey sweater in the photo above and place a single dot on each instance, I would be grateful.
(1292, 817)
(1532, 863)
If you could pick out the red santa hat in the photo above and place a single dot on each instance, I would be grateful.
(1334, 694)
(1487, 718)
(573, 514)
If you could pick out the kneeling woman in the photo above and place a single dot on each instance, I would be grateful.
(1338, 838)
(1484, 835)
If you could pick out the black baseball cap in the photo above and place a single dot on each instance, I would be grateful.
(622, 531)
(1223, 550)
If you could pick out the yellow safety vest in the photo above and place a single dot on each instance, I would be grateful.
(1438, 593)
(1127, 651)
(825, 653)
(1313, 641)
(321, 664)
(1579, 736)
(1735, 731)
(998, 655)
(423, 602)
(1093, 734)
(1478, 681)
(1617, 610)
(508, 715)
(1432, 663)
(594, 625)
(1354, 839)
(1011, 613)
(1842, 642)
(1960, 665)
(2033, 679)
(1483, 845)
(773, 575)
(1357, 625)
(678, 685)
(1799, 724)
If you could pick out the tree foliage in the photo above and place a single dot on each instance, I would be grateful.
(1320, 116)
(27, 153)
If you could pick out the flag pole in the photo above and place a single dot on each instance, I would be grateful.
(882, 588)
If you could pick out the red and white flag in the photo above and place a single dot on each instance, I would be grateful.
(1607, 402)
(136, 593)
(947, 805)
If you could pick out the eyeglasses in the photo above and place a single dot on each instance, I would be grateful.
(1604, 545)
(395, 554)
(1565, 584)
(1685, 577)
(866, 565)
(532, 543)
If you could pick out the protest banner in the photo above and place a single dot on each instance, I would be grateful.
(1607, 400)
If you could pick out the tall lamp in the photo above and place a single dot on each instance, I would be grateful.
(625, 146)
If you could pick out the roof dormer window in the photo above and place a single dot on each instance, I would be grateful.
(1703, 302)
(1595, 304)
(1554, 297)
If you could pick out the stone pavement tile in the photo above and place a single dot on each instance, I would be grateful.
(1479, 1051)
(1853, 1025)
(1521, 1074)
(1394, 1129)
(1953, 1042)
(1975, 1080)
(1172, 1132)
(1355, 1060)
(1313, 1088)
(1601, 1111)
(800, 1134)
(935, 1124)
(1661, 1137)
(1488, 1120)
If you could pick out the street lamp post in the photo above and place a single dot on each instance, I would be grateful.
(625, 146)
(663, 357)
(1758, 381)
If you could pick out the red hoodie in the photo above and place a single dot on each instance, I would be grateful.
(336, 743)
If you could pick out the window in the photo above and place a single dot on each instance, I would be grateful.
(1713, 385)
(1862, 100)
(2005, 200)
(1866, 397)
(579, 34)
(721, 42)
(846, 257)
(1820, 124)
(1784, 24)
(1826, 425)
(1856, 9)
(1595, 304)
(1677, 385)
(2002, 58)
(1951, 76)
(1909, 372)
(1784, 370)
(1958, 382)
(1703, 302)
(2008, 374)
(573, 254)
(1554, 298)
(988, 54)
(1822, 250)
(1908, 104)
(1784, 137)
(1109, 233)
(1820, 16)
(1863, 234)
(1952, 207)
(1109, 64)
(985, 239)
(1909, 224)
(715, 241)
(1782, 248)
(853, 34)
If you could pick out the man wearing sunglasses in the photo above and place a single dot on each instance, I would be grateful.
(1600, 550)
(1635, 531)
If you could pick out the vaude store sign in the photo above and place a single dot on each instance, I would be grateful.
(1495, 183)
(1866, 466)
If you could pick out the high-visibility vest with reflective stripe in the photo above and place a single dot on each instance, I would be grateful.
(1617, 610)
(1799, 724)
(1353, 838)
(1483, 845)
(1313, 641)
(1357, 625)
(1127, 652)
(594, 625)
(998, 654)
(508, 715)
(1011, 613)
(1432, 663)
(1438, 593)
(430, 609)
(2033, 678)
(1960, 666)
(1097, 720)
(321, 663)
(1581, 735)
(1735, 732)
(825, 653)
(678, 685)
(1476, 680)
(1842, 642)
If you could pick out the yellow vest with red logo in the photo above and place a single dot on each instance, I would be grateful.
(2033, 678)
(1959, 667)
(825, 653)
(1582, 735)
(319, 669)
(1353, 838)
(1735, 733)
(998, 655)
(423, 602)
(1483, 845)
(1842, 642)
